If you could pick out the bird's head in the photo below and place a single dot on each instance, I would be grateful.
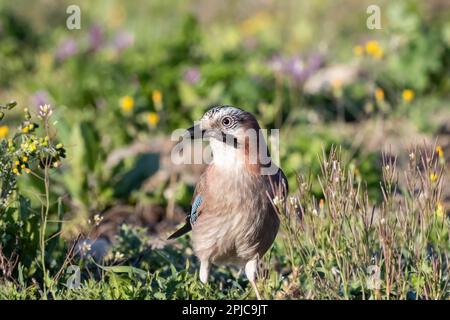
(232, 132)
(226, 124)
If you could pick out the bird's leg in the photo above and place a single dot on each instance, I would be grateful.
(204, 271)
(250, 272)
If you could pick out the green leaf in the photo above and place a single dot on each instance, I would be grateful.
(21, 280)
(159, 296)
(123, 269)
(91, 143)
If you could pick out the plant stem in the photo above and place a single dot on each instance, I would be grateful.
(44, 216)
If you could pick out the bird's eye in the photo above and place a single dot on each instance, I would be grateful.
(227, 121)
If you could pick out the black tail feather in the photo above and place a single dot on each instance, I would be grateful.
(183, 230)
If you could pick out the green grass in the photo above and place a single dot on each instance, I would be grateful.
(340, 247)
(356, 225)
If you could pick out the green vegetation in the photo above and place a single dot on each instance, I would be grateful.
(87, 187)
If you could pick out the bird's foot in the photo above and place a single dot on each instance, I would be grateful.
(204, 271)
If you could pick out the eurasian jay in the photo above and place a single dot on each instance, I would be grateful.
(233, 218)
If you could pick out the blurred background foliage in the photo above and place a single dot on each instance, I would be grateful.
(136, 71)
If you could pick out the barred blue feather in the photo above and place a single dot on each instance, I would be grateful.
(194, 210)
(190, 219)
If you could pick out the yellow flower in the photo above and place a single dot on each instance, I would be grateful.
(153, 119)
(24, 159)
(440, 210)
(4, 130)
(374, 49)
(127, 103)
(433, 177)
(372, 46)
(29, 147)
(379, 94)
(378, 54)
(256, 23)
(408, 95)
(358, 51)
(156, 96)
(440, 152)
(336, 84)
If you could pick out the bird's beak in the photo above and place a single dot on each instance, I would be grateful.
(195, 132)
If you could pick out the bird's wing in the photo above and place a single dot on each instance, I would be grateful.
(195, 209)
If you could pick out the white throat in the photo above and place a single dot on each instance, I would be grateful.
(226, 156)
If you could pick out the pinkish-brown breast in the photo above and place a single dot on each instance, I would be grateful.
(238, 221)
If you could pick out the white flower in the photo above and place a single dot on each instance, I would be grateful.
(97, 219)
(45, 111)
(335, 271)
(118, 256)
(294, 202)
(85, 248)
(277, 201)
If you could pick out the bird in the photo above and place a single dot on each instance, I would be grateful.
(233, 218)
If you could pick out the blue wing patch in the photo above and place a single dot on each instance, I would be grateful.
(194, 211)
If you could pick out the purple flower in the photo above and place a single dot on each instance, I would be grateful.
(192, 75)
(315, 62)
(123, 40)
(95, 37)
(297, 69)
(40, 98)
(66, 49)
